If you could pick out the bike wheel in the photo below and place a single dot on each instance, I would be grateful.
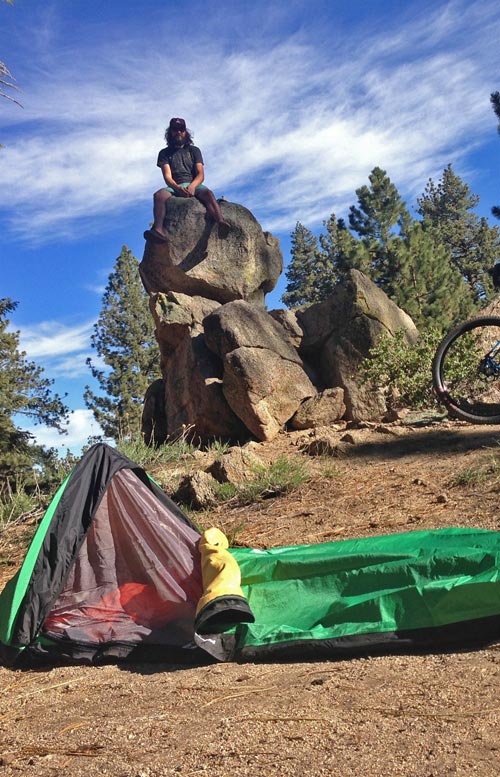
(466, 371)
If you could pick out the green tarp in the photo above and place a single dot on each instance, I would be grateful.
(400, 584)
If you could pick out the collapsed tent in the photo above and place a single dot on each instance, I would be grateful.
(117, 571)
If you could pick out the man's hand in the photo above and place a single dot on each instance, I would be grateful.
(191, 189)
(183, 192)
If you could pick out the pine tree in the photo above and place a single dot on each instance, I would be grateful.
(317, 266)
(124, 340)
(495, 101)
(379, 209)
(447, 214)
(303, 269)
(24, 392)
(424, 284)
(340, 252)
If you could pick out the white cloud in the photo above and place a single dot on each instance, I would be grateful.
(62, 349)
(51, 338)
(290, 129)
(80, 427)
(98, 289)
(73, 367)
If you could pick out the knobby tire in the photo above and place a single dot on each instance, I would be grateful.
(458, 405)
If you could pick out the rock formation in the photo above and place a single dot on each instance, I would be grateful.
(195, 261)
(264, 380)
(192, 374)
(232, 370)
(339, 333)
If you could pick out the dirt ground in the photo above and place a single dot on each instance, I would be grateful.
(424, 715)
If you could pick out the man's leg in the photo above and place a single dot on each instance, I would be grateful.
(160, 209)
(207, 197)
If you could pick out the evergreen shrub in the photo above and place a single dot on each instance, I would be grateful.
(402, 370)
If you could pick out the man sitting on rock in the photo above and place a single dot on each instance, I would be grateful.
(182, 166)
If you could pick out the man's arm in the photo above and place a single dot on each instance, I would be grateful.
(199, 178)
(167, 175)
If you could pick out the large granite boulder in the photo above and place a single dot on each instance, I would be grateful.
(195, 261)
(339, 333)
(192, 374)
(263, 381)
(240, 324)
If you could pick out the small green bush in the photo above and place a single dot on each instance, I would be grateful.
(329, 470)
(403, 371)
(224, 492)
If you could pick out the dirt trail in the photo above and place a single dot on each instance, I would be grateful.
(427, 715)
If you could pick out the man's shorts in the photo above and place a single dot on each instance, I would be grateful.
(184, 186)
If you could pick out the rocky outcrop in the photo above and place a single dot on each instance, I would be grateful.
(237, 467)
(359, 311)
(232, 370)
(192, 374)
(195, 261)
(324, 441)
(196, 490)
(264, 381)
(227, 369)
(340, 332)
(241, 325)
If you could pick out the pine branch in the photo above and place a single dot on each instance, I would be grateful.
(6, 79)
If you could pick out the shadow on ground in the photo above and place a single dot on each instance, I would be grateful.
(430, 442)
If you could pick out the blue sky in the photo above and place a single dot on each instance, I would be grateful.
(292, 103)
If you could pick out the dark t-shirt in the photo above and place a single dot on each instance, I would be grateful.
(182, 162)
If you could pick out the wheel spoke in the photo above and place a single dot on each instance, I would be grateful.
(466, 371)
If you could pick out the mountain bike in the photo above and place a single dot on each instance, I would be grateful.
(466, 371)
